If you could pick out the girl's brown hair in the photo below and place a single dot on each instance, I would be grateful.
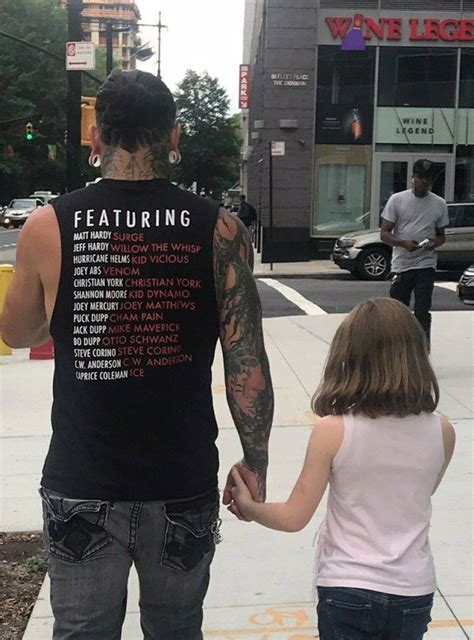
(378, 365)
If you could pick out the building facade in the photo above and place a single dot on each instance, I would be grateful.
(122, 15)
(350, 98)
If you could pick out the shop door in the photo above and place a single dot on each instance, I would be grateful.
(393, 173)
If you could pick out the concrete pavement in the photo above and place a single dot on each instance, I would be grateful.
(261, 580)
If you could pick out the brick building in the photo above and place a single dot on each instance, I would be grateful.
(124, 14)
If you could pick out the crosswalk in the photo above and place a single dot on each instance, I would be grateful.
(319, 297)
(294, 297)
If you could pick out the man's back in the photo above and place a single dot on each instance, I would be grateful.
(135, 326)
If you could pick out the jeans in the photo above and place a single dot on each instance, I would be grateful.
(91, 546)
(420, 281)
(358, 614)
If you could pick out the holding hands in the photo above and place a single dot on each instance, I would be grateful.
(243, 481)
(242, 498)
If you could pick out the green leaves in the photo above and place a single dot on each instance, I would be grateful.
(32, 89)
(210, 145)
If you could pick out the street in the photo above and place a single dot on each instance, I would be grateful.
(299, 296)
(340, 293)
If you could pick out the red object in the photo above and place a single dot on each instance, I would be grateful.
(393, 28)
(244, 86)
(43, 352)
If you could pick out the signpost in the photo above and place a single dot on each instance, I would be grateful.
(73, 147)
(278, 148)
(80, 56)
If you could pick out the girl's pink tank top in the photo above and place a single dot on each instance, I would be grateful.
(375, 534)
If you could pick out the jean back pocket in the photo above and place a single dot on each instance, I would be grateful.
(74, 528)
(192, 530)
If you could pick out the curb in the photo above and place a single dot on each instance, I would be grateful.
(315, 276)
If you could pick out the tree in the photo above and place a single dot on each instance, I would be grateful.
(33, 89)
(210, 144)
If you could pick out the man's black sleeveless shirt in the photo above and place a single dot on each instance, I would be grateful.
(135, 327)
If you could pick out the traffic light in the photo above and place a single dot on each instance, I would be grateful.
(29, 132)
(87, 118)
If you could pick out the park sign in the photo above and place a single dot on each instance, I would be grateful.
(80, 56)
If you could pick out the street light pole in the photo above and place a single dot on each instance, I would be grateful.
(109, 48)
(73, 145)
(160, 27)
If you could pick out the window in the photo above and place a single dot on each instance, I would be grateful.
(417, 77)
(464, 177)
(345, 77)
(466, 93)
(461, 216)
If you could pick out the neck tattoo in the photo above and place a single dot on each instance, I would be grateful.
(118, 164)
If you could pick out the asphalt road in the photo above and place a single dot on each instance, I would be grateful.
(8, 239)
(341, 293)
(337, 294)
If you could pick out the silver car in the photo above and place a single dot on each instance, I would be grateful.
(365, 255)
(18, 211)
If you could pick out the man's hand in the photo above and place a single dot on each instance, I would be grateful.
(432, 244)
(255, 481)
(410, 245)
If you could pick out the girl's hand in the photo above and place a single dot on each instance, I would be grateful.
(241, 494)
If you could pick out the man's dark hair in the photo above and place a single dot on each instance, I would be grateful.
(424, 169)
(242, 197)
(134, 109)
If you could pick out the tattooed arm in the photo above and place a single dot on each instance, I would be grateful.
(247, 374)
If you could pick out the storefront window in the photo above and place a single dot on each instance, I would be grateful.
(464, 178)
(466, 94)
(345, 77)
(417, 77)
(342, 194)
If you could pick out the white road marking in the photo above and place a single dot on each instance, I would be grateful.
(296, 298)
(447, 285)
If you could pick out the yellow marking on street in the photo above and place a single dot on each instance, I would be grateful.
(451, 623)
(233, 633)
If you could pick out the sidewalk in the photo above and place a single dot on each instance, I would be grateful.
(261, 580)
(309, 269)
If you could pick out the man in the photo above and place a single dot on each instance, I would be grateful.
(136, 279)
(410, 218)
(247, 212)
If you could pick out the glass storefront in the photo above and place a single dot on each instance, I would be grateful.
(464, 178)
(358, 167)
(417, 77)
(466, 88)
(342, 195)
(345, 76)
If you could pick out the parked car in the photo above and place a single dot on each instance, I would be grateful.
(466, 286)
(18, 211)
(365, 255)
(44, 196)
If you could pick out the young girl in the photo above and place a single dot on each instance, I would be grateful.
(383, 452)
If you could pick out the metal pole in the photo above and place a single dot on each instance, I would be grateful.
(270, 200)
(46, 52)
(73, 146)
(160, 26)
(109, 47)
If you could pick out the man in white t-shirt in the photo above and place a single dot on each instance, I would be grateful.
(409, 218)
